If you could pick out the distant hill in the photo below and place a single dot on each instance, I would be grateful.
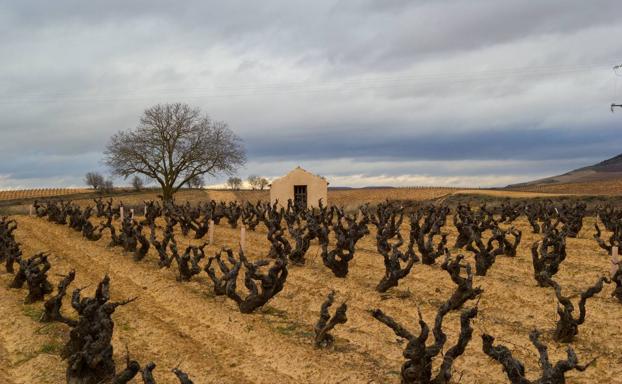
(605, 171)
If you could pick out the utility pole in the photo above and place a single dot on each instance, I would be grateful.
(617, 70)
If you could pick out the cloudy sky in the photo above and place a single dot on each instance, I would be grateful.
(365, 92)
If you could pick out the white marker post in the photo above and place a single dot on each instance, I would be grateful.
(132, 213)
(145, 210)
(210, 231)
(121, 213)
(614, 260)
(243, 238)
(30, 210)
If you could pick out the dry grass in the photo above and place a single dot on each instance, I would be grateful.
(350, 198)
(174, 323)
(605, 188)
(508, 193)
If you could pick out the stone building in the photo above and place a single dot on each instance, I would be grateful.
(301, 186)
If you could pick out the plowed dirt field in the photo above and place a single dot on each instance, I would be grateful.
(183, 324)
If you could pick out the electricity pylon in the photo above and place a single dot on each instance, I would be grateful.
(618, 72)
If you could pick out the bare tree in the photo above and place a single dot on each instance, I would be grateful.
(253, 181)
(196, 182)
(173, 144)
(106, 187)
(137, 183)
(257, 182)
(234, 183)
(263, 183)
(94, 180)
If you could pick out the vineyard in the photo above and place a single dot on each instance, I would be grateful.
(225, 292)
(40, 193)
(18, 202)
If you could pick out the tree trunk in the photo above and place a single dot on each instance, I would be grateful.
(167, 193)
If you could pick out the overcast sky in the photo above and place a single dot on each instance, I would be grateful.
(364, 92)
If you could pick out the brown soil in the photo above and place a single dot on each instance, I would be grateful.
(174, 323)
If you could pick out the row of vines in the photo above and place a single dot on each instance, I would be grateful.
(484, 234)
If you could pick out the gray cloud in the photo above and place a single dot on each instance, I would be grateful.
(508, 143)
(406, 85)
